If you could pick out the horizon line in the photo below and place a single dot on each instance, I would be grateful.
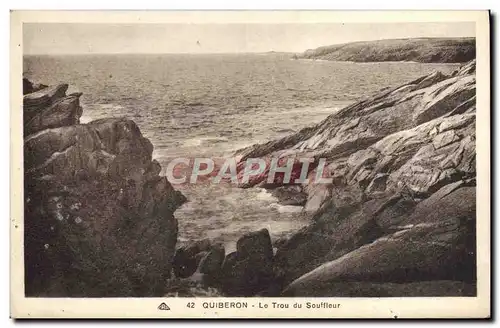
(159, 53)
(244, 52)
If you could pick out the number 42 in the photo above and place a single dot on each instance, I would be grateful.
(190, 305)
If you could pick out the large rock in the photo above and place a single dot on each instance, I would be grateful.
(249, 270)
(108, 146)
(211, 263)
(30, 87)
(337, 231)
(445, 96)
(187, 259)
(97, 237)
(98, 218)
(63, 112)
(43, 97)
(436, 242)
(290, 195)
(366, 142)
(255, 246)
(399, 157)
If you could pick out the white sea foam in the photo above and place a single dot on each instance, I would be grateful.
(287, 208)
(193, 142)
(265, 195)
(241, 104)
(85, 119)
(111, 106)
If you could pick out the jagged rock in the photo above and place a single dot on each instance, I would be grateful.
(423, 252)
(43, 98)
(211, 264)
(436, 242)
(357, 133)
(337, 231)
(418, 159)
(63, 112)
(109, 146)
(187, 258)
(249, 270)
(290, 195)
(469, 68)
(98, 219)
(444, 97)
(385, 154)
(83, 238)
(255, 245)
(30, 87)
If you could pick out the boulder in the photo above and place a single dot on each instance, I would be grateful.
(98, 218)
(187, 258)
(82, 239)
(290, 195)
(64, 112)
(30, 87)
(255, 245)
(436, 242)
(335, 232)
(365, 144)
(43, 98)
(112, 147)
(211, 263)
(444, 97)
(249, 270)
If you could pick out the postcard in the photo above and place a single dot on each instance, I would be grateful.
(250, 164)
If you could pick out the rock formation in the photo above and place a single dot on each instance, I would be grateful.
(400, 209)
(98, 217)
(423, 50)
(397, 218)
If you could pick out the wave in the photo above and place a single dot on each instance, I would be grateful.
(194, 142)
(111, 106)
(265, 195)
(85, 119)
(286, 208)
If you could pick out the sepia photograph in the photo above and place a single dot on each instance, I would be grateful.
(269, 160)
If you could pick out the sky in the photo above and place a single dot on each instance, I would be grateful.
(86, 38)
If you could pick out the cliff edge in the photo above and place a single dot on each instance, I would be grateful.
(423, 50)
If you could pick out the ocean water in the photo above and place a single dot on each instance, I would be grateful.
(210, 106)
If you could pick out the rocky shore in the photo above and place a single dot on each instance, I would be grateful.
(422, 50)
(398, 218)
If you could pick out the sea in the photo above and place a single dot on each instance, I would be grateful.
(210, 105)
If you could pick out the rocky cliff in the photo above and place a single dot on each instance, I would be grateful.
(398, 217)
(98, 218)
(424, 50)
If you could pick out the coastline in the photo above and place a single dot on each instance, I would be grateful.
(256, 255)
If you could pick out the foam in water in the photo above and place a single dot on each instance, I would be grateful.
(236, 101)
(85, 119)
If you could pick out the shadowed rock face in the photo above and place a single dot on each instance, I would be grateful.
(98, 217)
(249, 270)
(63, 112)
(400, 209)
